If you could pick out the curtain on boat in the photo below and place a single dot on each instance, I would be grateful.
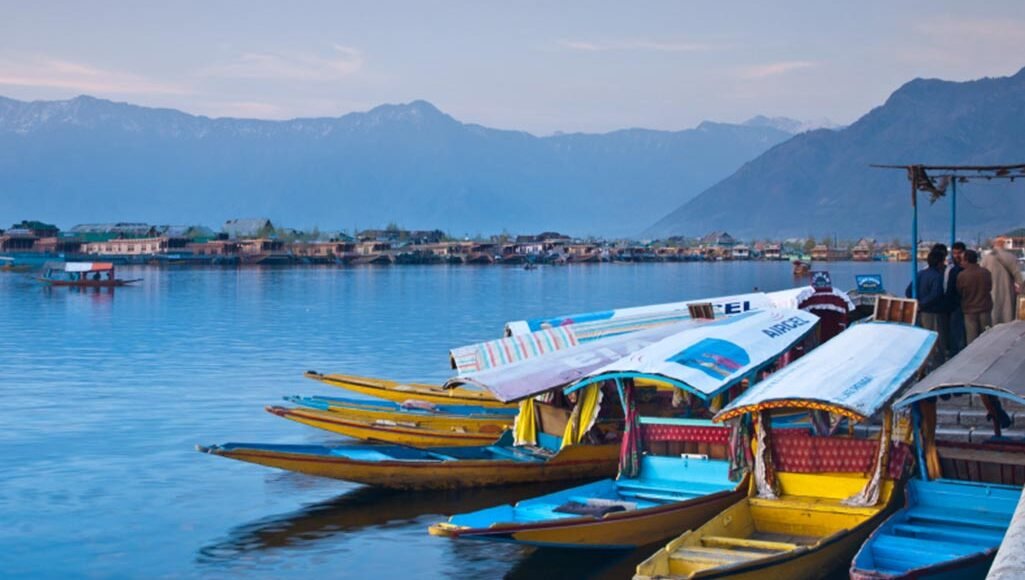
(585, 413)
(869, 495)
(741, 457)
(927, 431)
(766, 482)
(525, 425)
(630, 451)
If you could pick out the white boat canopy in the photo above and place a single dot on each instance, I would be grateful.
(712, 357)
(855, 374)
(534, 375)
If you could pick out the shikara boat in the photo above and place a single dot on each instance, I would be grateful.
(682, 478)
(399, 392)
(401, 467)
(815, 497)
(82, 274)
(961, 502)
(408, 430)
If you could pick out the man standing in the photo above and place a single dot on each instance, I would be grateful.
(933, 310)
(975, 284)
(957, 334)
(1007, 280)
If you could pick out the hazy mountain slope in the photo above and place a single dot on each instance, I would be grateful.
(820, 182)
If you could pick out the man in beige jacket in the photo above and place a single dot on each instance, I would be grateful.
(1007, 282)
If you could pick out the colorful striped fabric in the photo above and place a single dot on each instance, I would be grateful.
(503, 351)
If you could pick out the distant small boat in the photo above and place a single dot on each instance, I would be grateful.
(8, 264)
(82, 274)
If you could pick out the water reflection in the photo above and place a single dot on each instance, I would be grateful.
(361, 508)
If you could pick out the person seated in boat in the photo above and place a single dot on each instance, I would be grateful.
(96, 277)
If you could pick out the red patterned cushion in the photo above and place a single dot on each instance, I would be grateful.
(688, 433)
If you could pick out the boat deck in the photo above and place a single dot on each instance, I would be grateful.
(944, 520)
(663, 480)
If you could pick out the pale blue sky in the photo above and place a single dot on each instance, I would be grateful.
(536, 66)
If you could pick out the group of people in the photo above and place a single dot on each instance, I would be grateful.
(962, 297)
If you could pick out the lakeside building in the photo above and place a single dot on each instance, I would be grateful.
(824, 253)
(772, 252)
(240, 228)
(1013, 241)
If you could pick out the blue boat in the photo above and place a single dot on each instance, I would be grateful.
(674, 473)
(961, 502)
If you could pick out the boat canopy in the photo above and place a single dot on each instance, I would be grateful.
(712, 357)
(993, 364)
(596, 322)
(535, 375)
(512, 349)
(854, 374)
(80, 266)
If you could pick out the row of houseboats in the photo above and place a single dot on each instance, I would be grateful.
(758, 434)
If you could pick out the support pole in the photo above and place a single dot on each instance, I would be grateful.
(953, 211)
(914, 240)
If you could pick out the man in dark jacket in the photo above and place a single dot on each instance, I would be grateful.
(957, 333)
(975, 285)
(933, 307)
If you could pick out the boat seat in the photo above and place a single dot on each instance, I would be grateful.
(821, 504)
(978, 537)
(903, 549)
(959, 518)
(657, 496)
(712, 557)
(747, 543)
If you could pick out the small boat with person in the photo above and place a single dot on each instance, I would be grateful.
(82, 274)
(960, 503)
(817, 492)
(674, 473)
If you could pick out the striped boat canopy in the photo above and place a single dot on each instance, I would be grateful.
(709, 358)
(503, 351)
(855, 374)
(553, 370)
(80, 266)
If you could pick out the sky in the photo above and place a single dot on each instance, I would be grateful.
(541, 67)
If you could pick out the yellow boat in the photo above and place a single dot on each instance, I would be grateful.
(399, 392)
(815, 497)
(403, 430)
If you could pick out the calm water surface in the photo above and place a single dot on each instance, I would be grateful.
(106, 393)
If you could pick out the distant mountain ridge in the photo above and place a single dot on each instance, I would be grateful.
(89, 160)
(821, 183)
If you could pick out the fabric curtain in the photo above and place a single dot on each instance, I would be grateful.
(766, 482)
(525, 425)
(927, 408)
(585, 413)
(741, 457)
(630, 450)
(869, 495)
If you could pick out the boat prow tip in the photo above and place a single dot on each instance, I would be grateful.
(274, 410)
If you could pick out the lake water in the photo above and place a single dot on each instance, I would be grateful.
(106, 393)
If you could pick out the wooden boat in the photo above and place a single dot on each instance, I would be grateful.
(666, 492)
(461, 432)
(814, 497)
(397, 391)
(82, 274)
(400, 467)
(961, 502)
(9, 264)
(441, 416)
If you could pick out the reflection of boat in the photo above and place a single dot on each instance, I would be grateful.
(359, 509)
(816, 496)
(401, 467)
(665, 492)
(396, 391)
(451, 430)
(960, 505)
(82, 274)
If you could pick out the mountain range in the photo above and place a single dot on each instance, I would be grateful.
(820, 182)
(93, 160)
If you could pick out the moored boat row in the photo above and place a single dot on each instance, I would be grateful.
(761, 452)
